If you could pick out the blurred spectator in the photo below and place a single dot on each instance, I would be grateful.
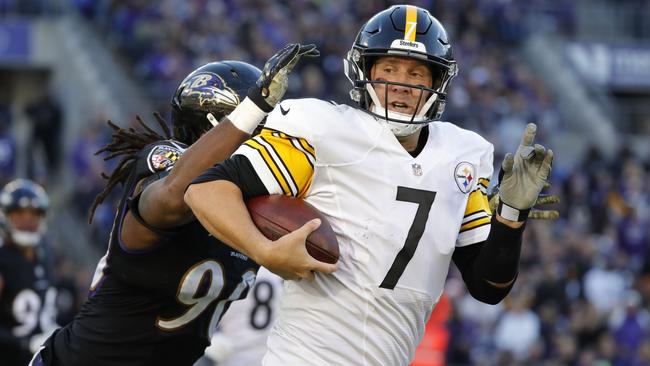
(46, 117)
(88, 169)
(630, 325)
(519, 327)
(604, 284)
(7, 145)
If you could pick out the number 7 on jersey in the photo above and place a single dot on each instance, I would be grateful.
(424, 200)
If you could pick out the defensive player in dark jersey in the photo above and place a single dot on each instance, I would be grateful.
(159, 292)
(27, 292)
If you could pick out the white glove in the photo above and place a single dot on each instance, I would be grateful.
(524, 175)
(536, 213)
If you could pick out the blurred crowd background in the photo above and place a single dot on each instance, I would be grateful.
(579, 69)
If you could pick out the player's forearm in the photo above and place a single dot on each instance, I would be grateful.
(162, 203)
(498, 261)
(489, 268)
(220, 208)
(511, 224)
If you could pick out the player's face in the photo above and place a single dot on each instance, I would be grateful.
(25, 219)
(401, 99)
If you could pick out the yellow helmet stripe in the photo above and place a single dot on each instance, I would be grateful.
(411, 23)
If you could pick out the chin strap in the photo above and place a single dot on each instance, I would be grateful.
(397, 128)
(25, 238)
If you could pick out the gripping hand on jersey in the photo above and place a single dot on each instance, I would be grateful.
(273, 82)
(524, 176)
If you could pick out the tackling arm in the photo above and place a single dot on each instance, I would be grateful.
(162, 204)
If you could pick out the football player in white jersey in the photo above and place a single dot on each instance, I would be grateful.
(404, 192)
(241, 338)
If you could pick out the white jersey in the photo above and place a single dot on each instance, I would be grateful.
(247, 323)
(397, 218)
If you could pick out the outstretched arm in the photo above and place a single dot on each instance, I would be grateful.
(161, 205)
(489, 268)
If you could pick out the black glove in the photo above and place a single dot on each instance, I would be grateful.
(273, 82)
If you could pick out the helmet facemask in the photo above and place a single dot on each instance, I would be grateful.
(26, 238)
(30, 201)
(431, 101)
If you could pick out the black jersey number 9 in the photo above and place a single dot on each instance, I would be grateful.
(189, 287)
(424, 200)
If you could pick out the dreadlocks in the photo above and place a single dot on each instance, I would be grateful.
(126, 143)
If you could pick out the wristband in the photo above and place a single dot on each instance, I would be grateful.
(246, 116)
(511, 213)
(256, 97)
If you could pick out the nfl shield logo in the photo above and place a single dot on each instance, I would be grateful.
(417, 169)
(464, 176)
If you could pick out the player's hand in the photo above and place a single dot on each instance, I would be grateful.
(288, 257)
(536, 213)
(273, 82)
(524, 174)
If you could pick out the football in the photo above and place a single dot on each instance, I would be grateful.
(277, 215)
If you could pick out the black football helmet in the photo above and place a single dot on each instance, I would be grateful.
(208, 94)
(20, 194)
(403, 31)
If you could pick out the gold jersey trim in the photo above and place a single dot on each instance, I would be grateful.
(477, 208)
(290, 160)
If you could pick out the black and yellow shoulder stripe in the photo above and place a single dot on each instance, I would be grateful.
(290, 159)
(477, 211)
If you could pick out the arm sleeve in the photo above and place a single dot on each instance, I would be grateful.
(238, 170)
(496, 259)
(475, 226)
